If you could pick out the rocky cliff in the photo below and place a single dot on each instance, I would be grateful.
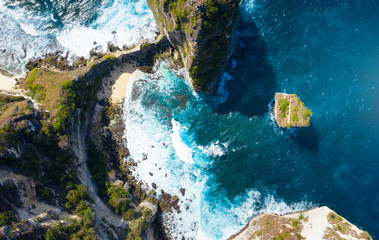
(319, 223)
(290, 111)
(203, 32)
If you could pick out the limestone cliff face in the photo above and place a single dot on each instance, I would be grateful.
(319, 223)
(203, 32)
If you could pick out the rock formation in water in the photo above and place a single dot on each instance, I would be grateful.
(319, 223)
(203, 32)
(290, 111)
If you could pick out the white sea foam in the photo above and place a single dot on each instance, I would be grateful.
(28, 33)
(214, 149)
(150, 141)
(122, 24)
(29, 29)
(181, 149)
(160, 141)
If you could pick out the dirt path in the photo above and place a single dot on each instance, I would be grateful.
(36, 105)
(101, 210)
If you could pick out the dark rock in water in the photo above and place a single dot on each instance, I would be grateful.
(94, 43)
(151, 174)
(114, 32)
(154, 185)
(183, 191)
(113, 48)
(4, 50)
(144, 156)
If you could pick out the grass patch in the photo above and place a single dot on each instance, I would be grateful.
(284, 107)
(37, 91)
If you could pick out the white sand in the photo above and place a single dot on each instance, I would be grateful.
(114, 87)
(7, 83)
(121, 82)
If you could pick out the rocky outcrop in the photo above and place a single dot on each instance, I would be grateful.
(319, 223)
(290, 111)
(203, 32)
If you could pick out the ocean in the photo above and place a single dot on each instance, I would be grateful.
(226, 150)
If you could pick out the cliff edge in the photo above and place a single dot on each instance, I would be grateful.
(319, 223)
(203, 32)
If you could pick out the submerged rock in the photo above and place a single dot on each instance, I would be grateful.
(203, 32)
(290, 111)
(319, 223)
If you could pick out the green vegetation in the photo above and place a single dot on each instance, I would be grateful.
(11, 106)
(279, 237)
(8, 195)
(97, 164)
(295, 223)
(117, 198)
(78, 202)
(294, 115)
(37, 91)
(137, 228)
(61, 231)
(41, 143)
(341, 226)
(307, 114)
(7, 218)
(284, 107)
(145, 46)
(4, 99)
(208, 23)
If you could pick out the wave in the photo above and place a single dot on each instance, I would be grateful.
(32, 30)
(181, 149)
(161, 138)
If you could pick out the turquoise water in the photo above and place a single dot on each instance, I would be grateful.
(226, 150)
(34, 28)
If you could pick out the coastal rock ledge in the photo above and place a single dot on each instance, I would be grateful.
(290, 111)
(319, 223)
(203, 32)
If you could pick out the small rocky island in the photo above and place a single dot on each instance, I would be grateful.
(290, 111)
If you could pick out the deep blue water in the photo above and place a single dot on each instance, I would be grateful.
(226, 150)
(327, 52)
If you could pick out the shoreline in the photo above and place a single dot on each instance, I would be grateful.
(7, 83)
(114, 87)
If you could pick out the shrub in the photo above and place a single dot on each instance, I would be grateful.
(60, 231)
(75, 196)
(6, 218)
(97, 164)
(284, 107)
(145, 46)
(129, 214)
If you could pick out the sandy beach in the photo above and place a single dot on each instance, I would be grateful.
(116, 84)
(6, 83)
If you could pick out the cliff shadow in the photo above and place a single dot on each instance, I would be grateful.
(307, 138)
(252, 84)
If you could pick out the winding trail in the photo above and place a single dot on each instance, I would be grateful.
(101, 210)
